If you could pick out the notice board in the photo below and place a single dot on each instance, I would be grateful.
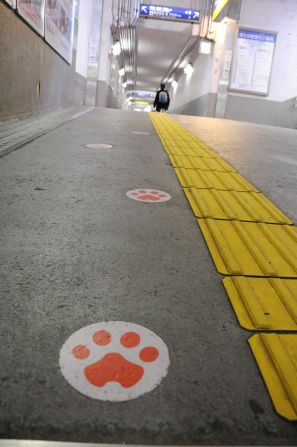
(32, 12)
(12, 3)
(252, 61)
(59, 24)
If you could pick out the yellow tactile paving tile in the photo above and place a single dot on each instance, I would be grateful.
(228, 181)
(203, 163)
(234, 205)
(251, 249)
(185, 151)
(189, 150)
(276, 356)
(263, 303)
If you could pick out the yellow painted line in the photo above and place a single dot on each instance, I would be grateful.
(276, 356)
(263, 303)
(221, 5)
(228, 181)
(251, 249)
(203, 163)
(234, 205)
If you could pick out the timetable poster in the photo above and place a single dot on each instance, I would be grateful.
(32, 12)
(253, 61)
(59, 24)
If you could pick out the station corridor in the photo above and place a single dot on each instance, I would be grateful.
(116, 325)
(148, 261)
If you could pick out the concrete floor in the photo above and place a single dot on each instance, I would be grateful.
(75, 251)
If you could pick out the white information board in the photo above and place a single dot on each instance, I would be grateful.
(33, 12)
(59, 24)
(252, 61)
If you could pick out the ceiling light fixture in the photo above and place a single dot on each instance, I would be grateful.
(205, 47)
(188, 69)
(121, 71)
(124, 84)
(116, 48)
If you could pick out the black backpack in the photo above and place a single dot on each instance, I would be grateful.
(163, 97)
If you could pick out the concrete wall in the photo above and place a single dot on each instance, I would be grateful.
(84, 28)
(279, 107)
(25, 60)
(105, 96)
(197, 96)
(192, 95)
(108, 76)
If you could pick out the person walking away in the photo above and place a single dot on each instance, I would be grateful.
(162, 99)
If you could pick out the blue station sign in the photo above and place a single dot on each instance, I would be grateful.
(168, 13)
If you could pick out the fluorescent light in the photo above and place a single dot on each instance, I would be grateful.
(188, 69)
(174, 84)
(121, 71)
(116, 48)
(124, 84)
(205, 47)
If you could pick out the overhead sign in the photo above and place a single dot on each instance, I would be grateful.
(168, 13)
(218, 7)
(252, 61)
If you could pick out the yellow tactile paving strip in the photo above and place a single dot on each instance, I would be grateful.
(187, 148)
(276, 356)
(251, 240)
(203, 163)
(251, 249)
(264, 303)
(226, 181)
(231, 205)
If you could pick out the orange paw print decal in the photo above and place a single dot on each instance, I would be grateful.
(114, 360)
(148, 195)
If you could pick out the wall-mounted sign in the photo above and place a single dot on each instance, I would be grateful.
(218, 7)
(33, 12)
(168, 13)
(252, 61)
(11, 3)
(59, 24)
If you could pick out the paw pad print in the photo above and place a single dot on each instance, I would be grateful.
(148, 195)
(114, 361)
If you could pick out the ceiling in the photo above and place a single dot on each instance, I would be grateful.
(158, 44)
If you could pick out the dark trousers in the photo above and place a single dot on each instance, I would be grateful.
(160, 107)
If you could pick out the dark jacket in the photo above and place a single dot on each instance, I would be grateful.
(162, 104)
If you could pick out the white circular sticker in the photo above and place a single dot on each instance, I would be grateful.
(114, 360)
(138, 132)
(148, 195)
(99, 146)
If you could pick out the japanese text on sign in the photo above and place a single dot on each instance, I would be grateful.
(253, 61)
(165, 12)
